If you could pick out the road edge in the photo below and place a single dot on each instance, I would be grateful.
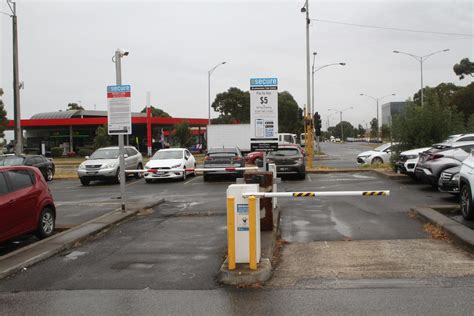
(46, 248)
(459, 233)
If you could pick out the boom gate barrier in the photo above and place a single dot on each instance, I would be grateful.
(248, 240)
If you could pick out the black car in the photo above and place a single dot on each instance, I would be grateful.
(224, 158)
(288, 160)
(45, 165)
(449, 180)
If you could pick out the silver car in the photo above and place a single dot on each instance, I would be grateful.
(441, 157)
(103, 164)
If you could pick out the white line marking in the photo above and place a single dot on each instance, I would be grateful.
(309, 178)
(135, 182)
(196, 177)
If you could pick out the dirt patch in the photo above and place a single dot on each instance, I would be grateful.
(279, 244)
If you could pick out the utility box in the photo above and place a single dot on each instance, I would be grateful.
(241, 220)
(265, 182)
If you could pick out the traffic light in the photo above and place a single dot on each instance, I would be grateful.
(317, 123)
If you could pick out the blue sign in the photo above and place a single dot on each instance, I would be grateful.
(122, 88)
(263, 82)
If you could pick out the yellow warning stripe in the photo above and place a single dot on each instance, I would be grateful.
(374, 193)
(303, 194)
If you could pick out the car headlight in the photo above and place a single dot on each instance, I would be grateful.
(176, 166)
(147, 166)
(456, 177)
(411, 156)
(363, 157)
(108, 165)
(82, 166)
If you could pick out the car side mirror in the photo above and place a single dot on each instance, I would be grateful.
(186, 157)
(86, 157)
(125, 156)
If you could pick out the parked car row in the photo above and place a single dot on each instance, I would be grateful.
(447, 166)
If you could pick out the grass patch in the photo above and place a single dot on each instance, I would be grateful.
(381, 166)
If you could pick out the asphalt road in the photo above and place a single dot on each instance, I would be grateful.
(341, 155)
(165, 261)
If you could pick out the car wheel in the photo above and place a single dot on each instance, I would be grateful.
(467, 208)
(84, 182)
(49, 174)
(184, 176)
(148, 180)
(377, 161)
(46, 223)
(302, 176)
(205, 177)
(117, 176)
(138, 175)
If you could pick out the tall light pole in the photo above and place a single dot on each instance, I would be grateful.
(377, 104)
(209, 73)
(340, 119)
(421, 59)
(309, 125)
(119, 54)
(16, 81)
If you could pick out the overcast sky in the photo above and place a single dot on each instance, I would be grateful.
(66, 49)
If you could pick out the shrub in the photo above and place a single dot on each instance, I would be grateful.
(56, 152)
(85, 152)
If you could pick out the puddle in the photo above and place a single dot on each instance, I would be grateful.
(74, 255)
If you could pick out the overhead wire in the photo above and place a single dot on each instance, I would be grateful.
(393, 28)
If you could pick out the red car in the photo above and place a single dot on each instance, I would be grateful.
(26, 204)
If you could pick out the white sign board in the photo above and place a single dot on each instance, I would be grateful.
(118, 110)
(264, 113)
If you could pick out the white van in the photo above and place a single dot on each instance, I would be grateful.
(286, 138)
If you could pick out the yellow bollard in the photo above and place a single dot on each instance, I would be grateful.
(252, 232)
(230, 233)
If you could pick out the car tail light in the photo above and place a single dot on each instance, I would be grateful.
(237, 158)
(207, 158)
(434, 157)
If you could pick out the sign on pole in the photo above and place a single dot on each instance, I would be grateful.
(118, 107)
(264, 114)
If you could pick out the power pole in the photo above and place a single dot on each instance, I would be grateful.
(309, 137)
(16, 82)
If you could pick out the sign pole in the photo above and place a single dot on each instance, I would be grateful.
(118, 75)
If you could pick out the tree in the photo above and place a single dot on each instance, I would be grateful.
(374, 129)
(464, 68)
(360, 131)
(463, 101)
(3, 116)
(74, 107)
(290, 115)
(183, 135)
(347, 129)
(156, 112)
(233, 104)
(470, 124)
(386, 131)
(442, 94)
(102, 138)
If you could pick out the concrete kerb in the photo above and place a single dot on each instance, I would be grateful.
(43, 249)
(242, 275)
(383, 173)
(459, 233)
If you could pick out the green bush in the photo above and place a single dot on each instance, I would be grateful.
(84, 152)
(56, 152)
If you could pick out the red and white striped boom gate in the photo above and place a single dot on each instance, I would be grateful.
(315, 194)
(190, 169)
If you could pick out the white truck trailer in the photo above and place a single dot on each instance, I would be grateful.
(229, 135)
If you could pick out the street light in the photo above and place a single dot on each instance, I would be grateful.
(117, 59)
(340, 119)
(420, 60)
(314, 70)
(209, 73)
(16, 81)
(377, 104)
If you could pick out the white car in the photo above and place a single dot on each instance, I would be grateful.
(459, 138)
(377, 155)
(466, 184)
(408, 160)
(172, 158)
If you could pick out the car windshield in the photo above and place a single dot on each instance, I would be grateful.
(284, 152)
(105, 154)
(382, 147)
(11, 161)
(167, 154)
